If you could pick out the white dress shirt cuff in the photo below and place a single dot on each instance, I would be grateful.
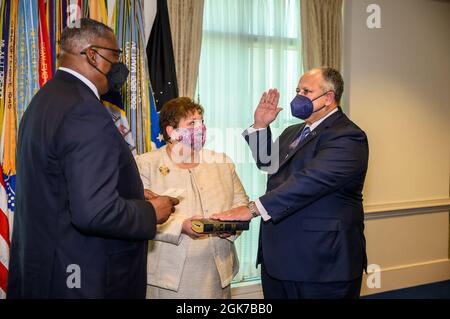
(252, 130)
(262, 211)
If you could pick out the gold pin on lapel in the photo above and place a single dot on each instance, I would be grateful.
(164, 170)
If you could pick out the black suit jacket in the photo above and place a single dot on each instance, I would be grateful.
(80, 204)
(314, 198)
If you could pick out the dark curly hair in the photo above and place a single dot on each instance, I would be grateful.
(174, 110)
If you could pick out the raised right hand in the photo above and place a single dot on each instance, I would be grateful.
(267, 110)
(164, 206)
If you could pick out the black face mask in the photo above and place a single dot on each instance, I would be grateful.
(117, 75)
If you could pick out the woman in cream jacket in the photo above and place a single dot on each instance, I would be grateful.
(182, 263)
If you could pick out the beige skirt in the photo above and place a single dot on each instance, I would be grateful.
(200, 278)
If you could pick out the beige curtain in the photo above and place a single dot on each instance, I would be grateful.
(186, 21)
(321, 33)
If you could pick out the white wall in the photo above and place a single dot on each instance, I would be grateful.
(398, 91)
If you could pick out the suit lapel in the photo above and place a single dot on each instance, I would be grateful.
(311, 136)
(284, 147)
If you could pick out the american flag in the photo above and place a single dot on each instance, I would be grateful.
(6, 209)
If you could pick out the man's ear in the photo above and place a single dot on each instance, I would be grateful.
(331, 97)
(91, 56)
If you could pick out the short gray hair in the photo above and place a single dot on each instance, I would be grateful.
(333, 81)
(83, 33)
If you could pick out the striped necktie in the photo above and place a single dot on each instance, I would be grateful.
(300, 138)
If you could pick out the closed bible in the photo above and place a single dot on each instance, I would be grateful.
(218, 226)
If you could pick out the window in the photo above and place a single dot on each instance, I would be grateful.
(248, 46)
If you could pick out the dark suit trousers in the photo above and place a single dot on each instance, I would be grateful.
(280, 289)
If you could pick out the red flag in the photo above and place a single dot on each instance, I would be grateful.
(45, 62)
(4, 237)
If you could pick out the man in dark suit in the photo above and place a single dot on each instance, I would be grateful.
(82, 223)
(312, 242)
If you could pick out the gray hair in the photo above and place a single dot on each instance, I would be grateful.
(333, 81)
(83, 33)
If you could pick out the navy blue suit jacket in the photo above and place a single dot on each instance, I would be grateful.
(315, 202)
(79, 201)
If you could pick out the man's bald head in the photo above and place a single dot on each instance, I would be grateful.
(74, 40)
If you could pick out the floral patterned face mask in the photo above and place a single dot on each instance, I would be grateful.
(191, 137)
